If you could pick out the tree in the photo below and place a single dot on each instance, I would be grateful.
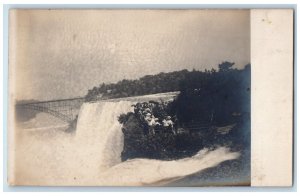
(225, 66)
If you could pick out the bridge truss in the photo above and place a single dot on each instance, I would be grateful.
(64, 109)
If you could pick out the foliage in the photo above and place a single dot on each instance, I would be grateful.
(149, 84)
(160, 146)
(124, 117)
(225, 66)
(217, 98)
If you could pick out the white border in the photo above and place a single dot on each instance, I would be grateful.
(209, 4)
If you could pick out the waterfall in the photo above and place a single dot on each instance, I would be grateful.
(99, 134)
(101, 137)
(92, 155)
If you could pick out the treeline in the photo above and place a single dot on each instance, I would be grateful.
(149, 84)
(218, 100)
(217, 97)
(220, 96)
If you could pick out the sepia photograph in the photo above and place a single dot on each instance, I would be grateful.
(139, 97)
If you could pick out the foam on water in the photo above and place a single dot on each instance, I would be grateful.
(92, 155)
(100, 134)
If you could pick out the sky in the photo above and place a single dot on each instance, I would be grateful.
(58, 54)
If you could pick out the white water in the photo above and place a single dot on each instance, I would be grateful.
(92, 156)
(100, 134)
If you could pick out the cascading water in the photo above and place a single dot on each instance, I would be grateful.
(100, 132)
(92, 156)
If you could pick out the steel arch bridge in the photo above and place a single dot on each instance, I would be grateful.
(64, 109)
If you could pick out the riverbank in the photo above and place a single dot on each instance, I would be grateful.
(93, 155)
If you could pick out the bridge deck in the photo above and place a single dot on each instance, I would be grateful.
(67, 109)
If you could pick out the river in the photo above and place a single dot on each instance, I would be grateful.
(47, 155)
